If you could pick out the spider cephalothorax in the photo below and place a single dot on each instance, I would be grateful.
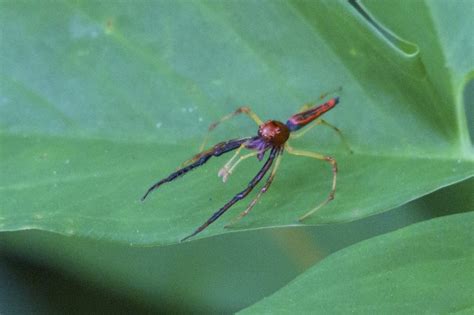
(271, 134)
(274, 132)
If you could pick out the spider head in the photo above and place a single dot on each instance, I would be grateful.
(274, 132)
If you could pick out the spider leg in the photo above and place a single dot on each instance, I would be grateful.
(324, 123)
(336, 90)
(322, 96)
(240, 195)
(318, 156)
(229, 167)
(216, 150)
(260, 193)
(241, 110)
(223, 172)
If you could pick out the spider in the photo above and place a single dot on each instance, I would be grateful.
(272, 136)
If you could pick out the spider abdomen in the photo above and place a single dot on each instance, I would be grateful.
(274, 132)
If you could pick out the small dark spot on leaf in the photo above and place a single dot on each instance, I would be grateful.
(109, 25)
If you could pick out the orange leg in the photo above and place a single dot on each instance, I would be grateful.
(318, 156)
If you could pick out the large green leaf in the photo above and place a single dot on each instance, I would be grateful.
(424, 268)
(100, 99)
(217, 275)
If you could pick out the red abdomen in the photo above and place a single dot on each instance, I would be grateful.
(300, 120)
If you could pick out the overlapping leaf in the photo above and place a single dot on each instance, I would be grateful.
(401, 272)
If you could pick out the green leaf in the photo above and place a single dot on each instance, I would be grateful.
(240, 270)
(99, 100)
(424, 268)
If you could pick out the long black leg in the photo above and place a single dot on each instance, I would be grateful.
(260, 193)
(216, 150)
(274, 152)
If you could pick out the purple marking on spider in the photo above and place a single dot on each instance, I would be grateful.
(272, 135)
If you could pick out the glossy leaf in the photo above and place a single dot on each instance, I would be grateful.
(424, 268)
(218, 275)
(99, 100)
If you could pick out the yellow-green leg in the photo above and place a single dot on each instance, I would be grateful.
(241, 110)
(317, 122)
(336, 90)
(229, 167)
(322, 96)
(260, 193)
(321, 157)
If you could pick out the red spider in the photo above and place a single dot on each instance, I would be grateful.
(272, 136)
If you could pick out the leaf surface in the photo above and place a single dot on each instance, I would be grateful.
(423, 268)
(99, 100)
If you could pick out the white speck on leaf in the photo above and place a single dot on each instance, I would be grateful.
(188, 109)
(80, 28)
